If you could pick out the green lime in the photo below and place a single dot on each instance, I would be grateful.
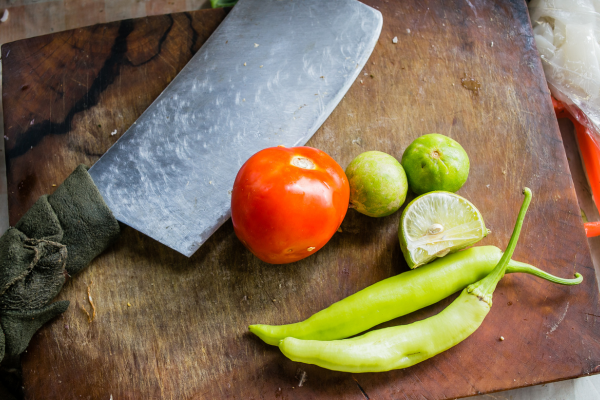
(438, 223)
(378, 184)
(435, 162)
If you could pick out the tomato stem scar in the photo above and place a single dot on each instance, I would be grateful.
(303, 162)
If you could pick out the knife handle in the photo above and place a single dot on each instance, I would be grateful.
(76, 216)
(59, 236)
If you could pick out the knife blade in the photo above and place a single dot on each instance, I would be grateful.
(269, 75)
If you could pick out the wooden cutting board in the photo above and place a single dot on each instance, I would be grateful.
(169, 327)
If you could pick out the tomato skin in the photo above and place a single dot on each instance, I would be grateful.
(283, 212)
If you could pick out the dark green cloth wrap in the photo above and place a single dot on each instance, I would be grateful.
(60, 235)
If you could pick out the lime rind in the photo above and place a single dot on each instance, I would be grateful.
(378, 184)
(435, 162)
(436, 224)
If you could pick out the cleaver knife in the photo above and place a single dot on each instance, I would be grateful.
(269, 75)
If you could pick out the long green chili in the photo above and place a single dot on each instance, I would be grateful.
(400, 295)
(403, 346)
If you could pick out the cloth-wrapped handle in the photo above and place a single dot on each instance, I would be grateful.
(58, 237)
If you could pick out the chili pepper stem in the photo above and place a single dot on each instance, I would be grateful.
(519, 267)
(484, 289)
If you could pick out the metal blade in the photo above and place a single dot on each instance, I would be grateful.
(270, 74)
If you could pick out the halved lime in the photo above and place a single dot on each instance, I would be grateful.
(438, 223)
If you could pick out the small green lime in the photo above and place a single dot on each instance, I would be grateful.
(378, 184)
(435, 162)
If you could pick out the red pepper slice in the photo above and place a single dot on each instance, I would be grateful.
(590, 155)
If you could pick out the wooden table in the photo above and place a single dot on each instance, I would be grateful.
(172, 327)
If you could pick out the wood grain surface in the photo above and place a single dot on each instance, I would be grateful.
(176, 328)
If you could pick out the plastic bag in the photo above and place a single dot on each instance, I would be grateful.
(567, 34)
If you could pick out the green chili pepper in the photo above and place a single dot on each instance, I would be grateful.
(403, 346)
(400, 295)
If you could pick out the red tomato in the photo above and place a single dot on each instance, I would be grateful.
(288, 202)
